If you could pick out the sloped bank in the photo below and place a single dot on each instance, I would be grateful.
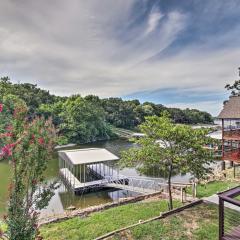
(99, 223)
(86, 211)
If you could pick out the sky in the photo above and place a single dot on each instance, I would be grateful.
(177, 53)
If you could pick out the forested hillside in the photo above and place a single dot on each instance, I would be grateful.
(86, 119)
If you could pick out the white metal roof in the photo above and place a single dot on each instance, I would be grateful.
(87, 155)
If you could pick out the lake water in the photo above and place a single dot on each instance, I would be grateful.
(64, 198)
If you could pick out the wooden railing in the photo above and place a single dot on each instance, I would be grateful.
(233, 134)
(233, 155)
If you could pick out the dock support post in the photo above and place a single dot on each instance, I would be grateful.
(234, 171)
(84, 173)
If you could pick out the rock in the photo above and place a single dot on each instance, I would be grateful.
(70, 208)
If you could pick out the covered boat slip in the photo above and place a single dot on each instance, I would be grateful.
(88, 169)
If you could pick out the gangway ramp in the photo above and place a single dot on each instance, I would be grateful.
(130, 188)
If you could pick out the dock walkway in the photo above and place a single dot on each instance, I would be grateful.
(130, 188)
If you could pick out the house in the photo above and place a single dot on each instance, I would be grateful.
(230, 118)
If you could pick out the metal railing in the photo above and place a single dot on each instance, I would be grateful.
(134, 184)
(229, 214)
(148, 185)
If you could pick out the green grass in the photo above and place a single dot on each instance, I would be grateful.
(197, 223)
(103, 222)
(214, 187)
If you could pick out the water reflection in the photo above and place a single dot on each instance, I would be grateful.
(64, 198)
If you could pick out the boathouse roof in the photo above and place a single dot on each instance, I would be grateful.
(87, 155)
(231, 108)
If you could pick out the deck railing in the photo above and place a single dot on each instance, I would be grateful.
(231, 134)
(233, 154)
(229, 214)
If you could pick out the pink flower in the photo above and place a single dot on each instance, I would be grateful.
(41, 141)
(1, 107)
(7, 150)
(2, 135)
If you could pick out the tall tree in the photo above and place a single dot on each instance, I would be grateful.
(83, 121)
(235, 87)
(28, 146)
(170, 147)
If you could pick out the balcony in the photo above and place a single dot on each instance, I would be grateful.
(232, 155)
(231, 134)
(229, 214)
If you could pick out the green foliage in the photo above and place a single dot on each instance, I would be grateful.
(235, 87)
(167, 147)
(190, 116)
(83, 121)
(28, 146)
(113, 111)
(129, 114)
(29, 93)
(104, 222)
(120, 113)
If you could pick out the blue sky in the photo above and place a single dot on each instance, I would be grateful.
(178, 53)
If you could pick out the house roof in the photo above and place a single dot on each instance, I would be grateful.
(231, 108)
(87, 155)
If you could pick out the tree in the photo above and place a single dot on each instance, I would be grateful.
(170, 147)
(83, 121)
(29, 93)
(28, 146)
(235, 87)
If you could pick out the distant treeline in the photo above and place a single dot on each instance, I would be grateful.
(86, 119)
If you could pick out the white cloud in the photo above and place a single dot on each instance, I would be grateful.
(153, 20)
(97, 47)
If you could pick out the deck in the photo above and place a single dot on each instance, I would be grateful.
(80, 187)
(233, 235)
(229, 231)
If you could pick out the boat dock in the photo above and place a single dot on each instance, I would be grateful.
(87, 170)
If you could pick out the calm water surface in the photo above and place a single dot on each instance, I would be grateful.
(64, 198)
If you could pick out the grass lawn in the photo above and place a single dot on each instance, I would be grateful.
(214, 187)
(103, 222)
(197, 223)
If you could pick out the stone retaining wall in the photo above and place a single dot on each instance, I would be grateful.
(85, 212)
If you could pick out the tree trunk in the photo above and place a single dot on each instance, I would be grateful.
(170, 188)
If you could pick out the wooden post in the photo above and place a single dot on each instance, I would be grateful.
(223, 165)
(194, 190)
(222, 138)
(234, 171)
(221, 218)
(181, 194)
(80, 172)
